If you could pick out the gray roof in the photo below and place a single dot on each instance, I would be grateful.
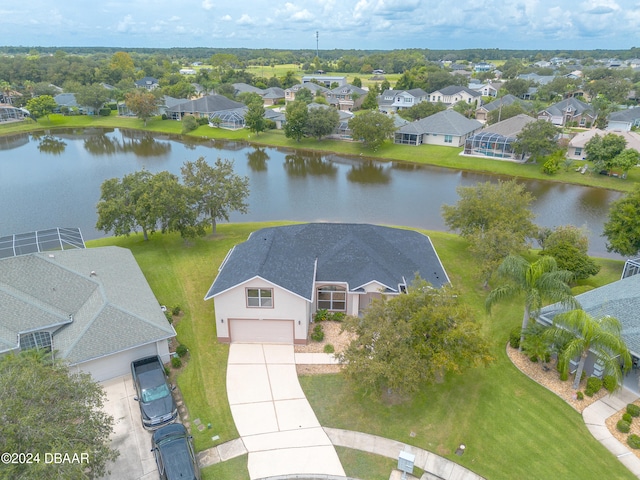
(273, 92)
(453, 89)
(577, 107)
(502, 102)
(447, 122)
(146, 81)
(628, 115)
(66, 99)
(99, 296)
(296, 256)
(209, 104)
(619, 299)
(245, 87)
(348, 89)
(312, 87)
(511, 126)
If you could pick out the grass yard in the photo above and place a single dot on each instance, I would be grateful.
(512, 427)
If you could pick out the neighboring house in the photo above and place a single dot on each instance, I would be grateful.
(346, 97)
(577, 144)
(269, 287)
(483, 67)
(149, 83)
(68, 100)
(624, 120)
(273, 96)
(496, 141)
(203, 107)
(621, 300)
(393, 100)
(455, 93)
(164, 103)
(569, 111)
(490, 89)
(290, 93)
(482, 112)
(246, 88)
(276, 116)
(538, 79)
(92, 308)
(325, 80)
(187, 71)
(9, 113)
(447, 128)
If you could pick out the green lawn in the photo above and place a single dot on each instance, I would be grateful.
(512, 427)
(447, 157)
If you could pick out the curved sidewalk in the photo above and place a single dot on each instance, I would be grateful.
(595, 416)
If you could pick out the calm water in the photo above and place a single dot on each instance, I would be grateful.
(54, 180)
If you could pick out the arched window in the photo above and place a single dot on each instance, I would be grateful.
(332, 297)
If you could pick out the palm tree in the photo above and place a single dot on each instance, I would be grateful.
(538, 281)
(582, 333)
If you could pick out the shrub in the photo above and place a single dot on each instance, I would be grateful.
(189, 123)
(551, 166)
(337, 316)
(594, 385)
(164, 116)
(610, 383)
(564, 375)
(627, 417)
(318, 334)
(181, 350)
(321, 315)
(533, 358)
(167, 314)
(166, 370)
(514, 337)
(203, 121)
(328, 348)
(104, 112)
(623, 426)
(580, 395)
(176, 362)
(176, 310)
(633, 409)
(634, 441)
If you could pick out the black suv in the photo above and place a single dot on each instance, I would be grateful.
(173, 450)
(157, 405)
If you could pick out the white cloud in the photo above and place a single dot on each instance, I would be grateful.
(226, 18)
(245, 20)
(126, 24)
(207, 4)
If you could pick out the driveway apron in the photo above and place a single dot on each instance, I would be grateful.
(272, 415)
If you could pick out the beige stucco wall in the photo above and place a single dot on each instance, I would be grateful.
(286, 305)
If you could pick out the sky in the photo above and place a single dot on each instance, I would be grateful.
(341, 24)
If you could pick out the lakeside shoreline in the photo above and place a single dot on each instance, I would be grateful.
(444, 157)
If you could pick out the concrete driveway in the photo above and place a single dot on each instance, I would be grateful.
(136, 461)
(272, 415)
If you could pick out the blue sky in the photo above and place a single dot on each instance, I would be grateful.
(358, 24)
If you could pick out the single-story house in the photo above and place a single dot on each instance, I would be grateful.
(496, 141)
(455, 93)
(577, 144)
(325, 80)
(203, 107)
(447, 128)
(149, 83)
(569, 110)
(68, 101)
(93, 308)
(624, 120)
(269, 287)
(270, 96)
(621, 300)
(482, 112)
(390, 101)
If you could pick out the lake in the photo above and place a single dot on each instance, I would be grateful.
(53, 180)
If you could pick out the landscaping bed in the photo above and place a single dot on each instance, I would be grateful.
(333, 335)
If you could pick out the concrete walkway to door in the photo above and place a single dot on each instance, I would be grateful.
(272, 415)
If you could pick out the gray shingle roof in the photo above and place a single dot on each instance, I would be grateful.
(577, 107)
(628, 115)
(511, 126)
(453, 89)
(112, 309)
(619, 299)
(357, 254)
(208, 104)
(447, 122)
(503, 101)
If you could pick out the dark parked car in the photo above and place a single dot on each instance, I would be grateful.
(173, 450)
(157, 405)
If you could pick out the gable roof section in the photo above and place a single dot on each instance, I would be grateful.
(511, 126)
(99, 294)
(296, 256)
(453, 89)
(576, 106)
(502, 102)
(581, 138)
(209, 104)
(447, 122)
(628, 115)
(620, 299)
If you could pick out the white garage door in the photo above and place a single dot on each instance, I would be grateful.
(261, 331)
(117, 364)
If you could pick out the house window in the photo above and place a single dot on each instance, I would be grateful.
(35, 340)
(332, 297)
(448, 139)
(578, 151)
(260, 297)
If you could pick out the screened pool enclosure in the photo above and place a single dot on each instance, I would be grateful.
(488, 144)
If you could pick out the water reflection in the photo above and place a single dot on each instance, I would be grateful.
(140, 144)
(257, 160)
(52, 145)
(369, 172)
(301, 164)
(10, 142)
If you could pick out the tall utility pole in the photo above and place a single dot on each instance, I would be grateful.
(317, 51)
